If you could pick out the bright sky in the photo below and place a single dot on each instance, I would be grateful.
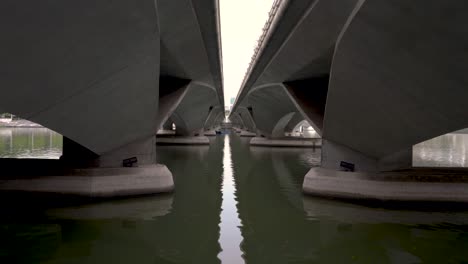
(241, 25)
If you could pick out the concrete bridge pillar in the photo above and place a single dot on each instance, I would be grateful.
(336, 156)
(128, 170)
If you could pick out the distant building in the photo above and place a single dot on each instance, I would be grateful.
(231, 103)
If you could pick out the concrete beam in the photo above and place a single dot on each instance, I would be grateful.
(85, 67)
(310, 97)
(294, 122)
(269, 105)
(395, 84)
(194, 109)
(171, 92)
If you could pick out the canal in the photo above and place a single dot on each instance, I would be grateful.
(233, 203)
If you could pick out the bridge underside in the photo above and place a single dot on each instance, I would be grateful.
(107, 75)
(372, 78)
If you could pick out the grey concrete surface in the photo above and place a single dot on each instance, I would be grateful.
(164, 132)
(246, 117)
(181, 140)
(68, 66)
(215, 118)
(384, 186)
(191, 50)
(404, 83)
(373, 78)
(210, 133)
(293, 122)
(285, 142)
(280, 128)
(169, 99)
(109, 75)
(244, 133)
(87, 55)
(270, 104)
(301, 46)
(144, 150)
(98, 182)
(236, 121)
(193, 111)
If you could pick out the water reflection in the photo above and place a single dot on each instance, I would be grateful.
(445, 151)
(285, 171)
(30, 143)
(280, 225)
(230, 236)
(191, 231)
(199, 223)
(178, 228)
(143, 208)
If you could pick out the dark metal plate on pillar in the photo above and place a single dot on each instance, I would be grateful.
(130, 162)
(346, 166)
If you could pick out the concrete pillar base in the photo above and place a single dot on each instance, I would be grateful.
(296, 143)
(418, 185)
(162, 132)
(98, 182)
(210, 133)
(333, 154)
(244, 133)
(180, 140)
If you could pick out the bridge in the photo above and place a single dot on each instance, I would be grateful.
(107, 75)
(373, 78)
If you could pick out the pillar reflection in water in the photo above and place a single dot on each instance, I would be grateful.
(281, 225)
(230, 235)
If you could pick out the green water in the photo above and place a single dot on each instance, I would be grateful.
(30, 143)
(233, 203)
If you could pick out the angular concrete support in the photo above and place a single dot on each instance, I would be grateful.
(279, 129)
(237, 121)
(333, 154)
(284, 142)
(270, 104)
(214, 118)
(167, 125)
(245, 114)
(144, 150)
(370, 110)
(310, 96)
(77, 156)
(195, 108)
(295, 120)
(171, 92)
(95, 92)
